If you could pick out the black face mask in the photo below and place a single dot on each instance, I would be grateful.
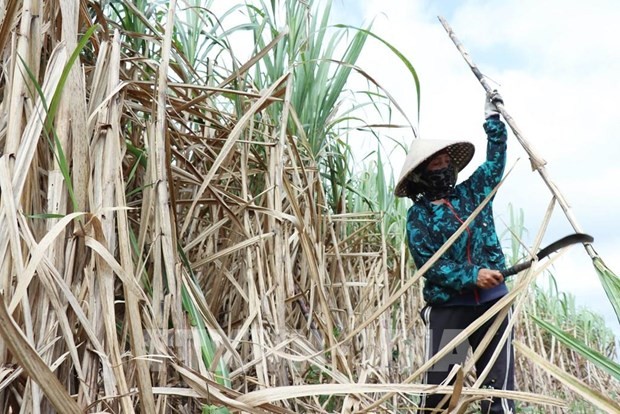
(439, 183)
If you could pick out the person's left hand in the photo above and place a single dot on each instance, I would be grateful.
(490, 107)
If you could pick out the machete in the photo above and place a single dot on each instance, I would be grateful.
(556, 245)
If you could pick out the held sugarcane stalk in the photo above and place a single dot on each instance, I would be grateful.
(537, 162)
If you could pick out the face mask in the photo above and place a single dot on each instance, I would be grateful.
(439, 183)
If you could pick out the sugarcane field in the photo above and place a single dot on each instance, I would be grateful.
(309, 206)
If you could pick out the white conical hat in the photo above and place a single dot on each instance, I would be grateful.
(421, 150)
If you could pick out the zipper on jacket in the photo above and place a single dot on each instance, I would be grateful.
(451, 207)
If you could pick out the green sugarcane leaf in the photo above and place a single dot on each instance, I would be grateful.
(598, 359)
(402, 57)
(610, 282)
(45, 216)
(55, 101)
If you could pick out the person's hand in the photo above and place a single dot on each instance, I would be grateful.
(490, 107)
(488, 278)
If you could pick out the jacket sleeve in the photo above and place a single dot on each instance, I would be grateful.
(490, 172)
(457, 276)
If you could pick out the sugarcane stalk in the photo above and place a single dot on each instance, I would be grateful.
(537, 162)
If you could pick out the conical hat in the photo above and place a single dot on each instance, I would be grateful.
(421, 150)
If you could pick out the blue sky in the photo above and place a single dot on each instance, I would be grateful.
(557, 65)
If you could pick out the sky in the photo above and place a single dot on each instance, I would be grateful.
(557, 65)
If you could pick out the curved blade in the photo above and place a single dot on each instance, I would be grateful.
(556, 245)
(563, 242)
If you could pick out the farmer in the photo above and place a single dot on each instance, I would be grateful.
(465, 281)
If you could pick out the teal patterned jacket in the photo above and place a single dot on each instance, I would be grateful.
(452, 279)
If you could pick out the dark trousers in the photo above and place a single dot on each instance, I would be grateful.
(445, 323)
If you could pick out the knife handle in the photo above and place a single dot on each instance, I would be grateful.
(516, 268)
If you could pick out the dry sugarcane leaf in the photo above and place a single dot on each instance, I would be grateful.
(37, 256)
(230, 142)
(214, 392)
(232, 249)
(596, 398)
(255, 398)
(9, 211)
(32, 363)
(458, 389)
(30, 137)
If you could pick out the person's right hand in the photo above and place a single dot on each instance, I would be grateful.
(488, 278)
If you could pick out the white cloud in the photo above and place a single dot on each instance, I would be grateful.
(557, 64)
